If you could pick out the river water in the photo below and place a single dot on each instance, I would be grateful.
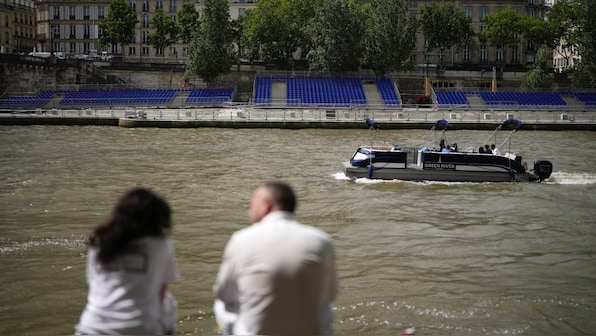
(445, 258)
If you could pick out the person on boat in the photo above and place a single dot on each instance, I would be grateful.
(481, 150)
(487, 149)
(454, 147)
(442, 145)
(130, 262)
(495, 150)
(278, 276)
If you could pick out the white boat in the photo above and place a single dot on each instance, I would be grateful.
(436, 164)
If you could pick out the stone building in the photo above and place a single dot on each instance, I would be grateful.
(483, 56)
(71, 26)
(17, 26)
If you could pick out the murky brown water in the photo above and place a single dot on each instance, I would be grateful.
(465, 259)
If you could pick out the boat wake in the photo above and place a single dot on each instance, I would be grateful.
(555, 178)
(571, 178)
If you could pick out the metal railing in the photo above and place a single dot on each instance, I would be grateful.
(245, 113)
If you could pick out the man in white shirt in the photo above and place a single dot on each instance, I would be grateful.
(277, 276)
(495, 150)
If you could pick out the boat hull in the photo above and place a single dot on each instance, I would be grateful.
(415, 173)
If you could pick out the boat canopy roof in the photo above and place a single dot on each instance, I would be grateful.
(371, 123)
(443, 123)
(515, 122)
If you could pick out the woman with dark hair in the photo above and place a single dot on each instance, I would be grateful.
(130, 262)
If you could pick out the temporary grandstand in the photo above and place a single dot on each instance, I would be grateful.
(301, 92)
(156, 98)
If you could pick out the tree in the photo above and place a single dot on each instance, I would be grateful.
(588, 38)
(538, 76)
(389, 36)
(236, 27)
(336, 32)
(565, 22)
(276, 30)
(445, 26)
(166, 31)
(501, 29)
(211, 50)
(584, 74)
(188, 21)
(119, 25)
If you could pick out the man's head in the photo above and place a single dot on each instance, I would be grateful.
(270, 197)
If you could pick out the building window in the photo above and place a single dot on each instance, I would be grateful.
(86, 13)
(158, 51)
(468, 11)
(185, 51)
(145, 5)
(56, 13)
(514, 54)
(145, 21)
(56, 31)
(158, 4)
(132, 51)
(499, 54)
(483, 12)
(73, 31)
(72, 47)
(172, 6)
(71, 13)
(101, 12)
(145, 50)
(133, 4)
(413, 4)
(241, 12)
(87, 31)
(531, 12)
(483, 54)
(86, 47)
(466, 53)
(516, 9)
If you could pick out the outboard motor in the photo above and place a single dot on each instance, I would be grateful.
(543, 169)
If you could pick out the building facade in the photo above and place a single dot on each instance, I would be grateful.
(71, 27)
(521, 53)
(17, 26)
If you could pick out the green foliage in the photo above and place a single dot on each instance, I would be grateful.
(119, 25)
(276, 29)
(538, 76)
(188, 21)
(540, 31)
(501, 27)
(445, 26)
(583, 76)
(336, 32)
(211, 50)
(166, 30)
(389, 35)
(588, 38)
